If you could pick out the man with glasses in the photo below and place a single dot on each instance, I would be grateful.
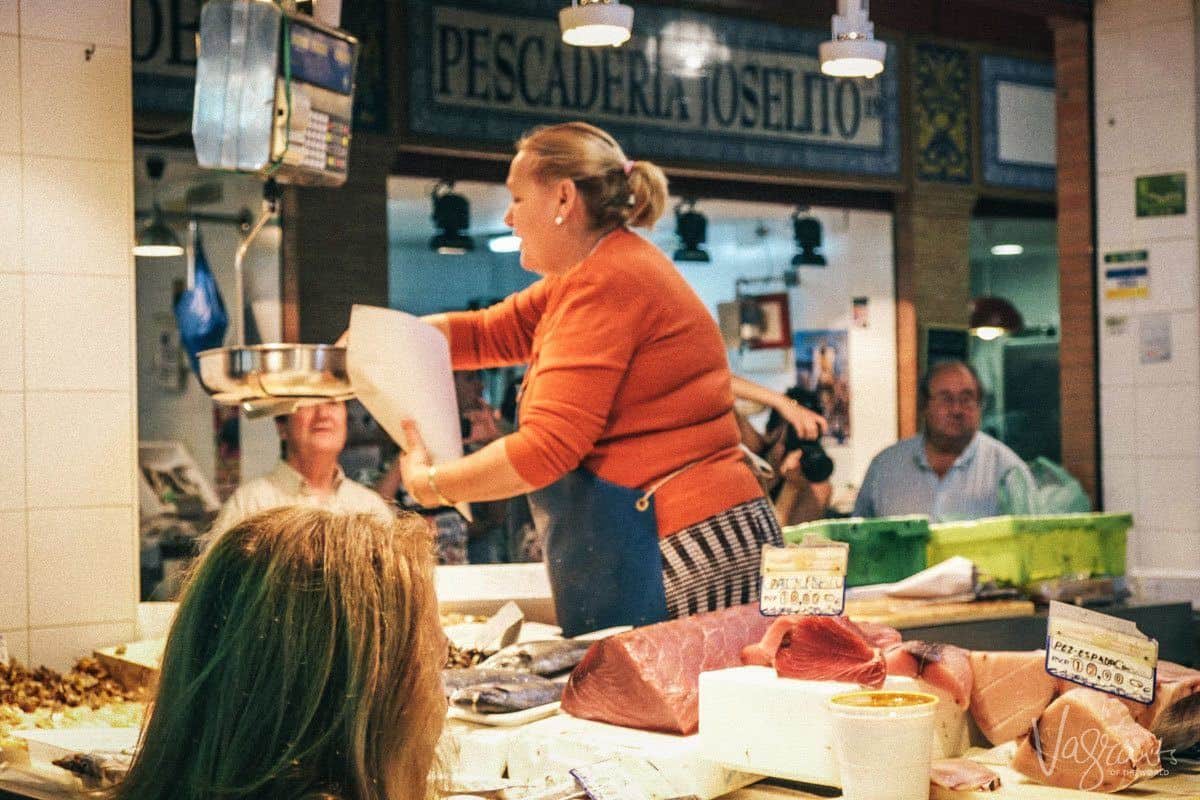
(949, 471)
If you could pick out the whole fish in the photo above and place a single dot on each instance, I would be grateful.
(503, 698)
(544, 658)
(454, 679)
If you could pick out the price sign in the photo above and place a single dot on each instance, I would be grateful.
(808, 579)
(624, 778)
(1100, 652)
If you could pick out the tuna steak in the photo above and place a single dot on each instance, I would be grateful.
(762, 653)
(963, 775)
(648, 678)
(829, 649)
(942, 665)
(878, 634)
(1088, 741)
(1010, 690)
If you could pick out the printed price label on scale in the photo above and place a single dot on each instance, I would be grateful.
(624, 778)
(1100, 652)
(808, 578)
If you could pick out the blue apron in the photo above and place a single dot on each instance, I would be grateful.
(601, 544)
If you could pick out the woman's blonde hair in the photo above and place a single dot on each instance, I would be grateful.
(615, 190)
(305, 659)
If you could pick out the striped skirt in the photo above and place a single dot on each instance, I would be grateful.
(715, 563)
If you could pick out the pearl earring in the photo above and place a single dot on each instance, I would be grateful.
(558, 220)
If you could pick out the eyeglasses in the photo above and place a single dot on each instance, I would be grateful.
(965, 399)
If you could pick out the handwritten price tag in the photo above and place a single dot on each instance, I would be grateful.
(623, 778)
(1100, 652)
(808, 579)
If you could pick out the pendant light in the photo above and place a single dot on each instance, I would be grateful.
(596, 23)
(853, 51)
(993, 317)
(156, 240)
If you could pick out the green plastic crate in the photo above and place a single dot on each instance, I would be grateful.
(882, 550)
(1020, 550)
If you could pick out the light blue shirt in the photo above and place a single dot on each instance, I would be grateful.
(900, 481)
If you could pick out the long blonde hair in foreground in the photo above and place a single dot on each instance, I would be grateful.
(305, 658)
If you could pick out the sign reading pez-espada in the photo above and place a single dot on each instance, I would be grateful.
(687, 86)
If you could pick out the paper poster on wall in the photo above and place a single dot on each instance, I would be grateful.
(1116, 325)
(861, 313)
(1126, 275)
(1155, 336)
(1161, 195)
(823, 367)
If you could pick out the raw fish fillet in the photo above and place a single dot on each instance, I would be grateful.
(762, 654)
(963, 775)
(878, 634)
(1174, 716)
(1088, 741)
(648, 678)
(829, 649)
(942, 665)
(1010, 690)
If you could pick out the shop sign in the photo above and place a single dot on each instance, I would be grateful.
(1161, 195)
(1018, 121)
(1126, 275)
(687, 86)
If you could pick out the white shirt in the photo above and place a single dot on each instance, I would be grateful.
(284, 486)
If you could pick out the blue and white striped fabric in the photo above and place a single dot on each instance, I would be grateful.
(900, 481)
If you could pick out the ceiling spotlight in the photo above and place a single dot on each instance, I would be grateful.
(506, 243)
(853, 52)
(156, 240)
(692, 229)
(451, 217)
(596, 23)
(807, 233)
(993, 317)
(1007, 250)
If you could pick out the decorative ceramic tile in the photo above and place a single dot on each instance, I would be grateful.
(942, 113)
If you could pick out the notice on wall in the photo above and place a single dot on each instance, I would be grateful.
(1161, 195)
(1126, 275)
(1154, 346)
(862, 312)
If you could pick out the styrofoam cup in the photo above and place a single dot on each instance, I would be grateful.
(882, 743)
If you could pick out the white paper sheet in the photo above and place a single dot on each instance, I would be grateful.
(400, 369)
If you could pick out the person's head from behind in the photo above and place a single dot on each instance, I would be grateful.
(571, 182)
(305, 657)
(313, 432)
(951, 401)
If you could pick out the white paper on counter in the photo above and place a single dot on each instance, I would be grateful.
(399, 367)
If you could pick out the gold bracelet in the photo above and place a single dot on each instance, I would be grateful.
(430, 480)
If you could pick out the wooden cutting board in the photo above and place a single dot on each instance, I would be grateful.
(905, 613)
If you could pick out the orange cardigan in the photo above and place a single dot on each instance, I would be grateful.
(627, 377)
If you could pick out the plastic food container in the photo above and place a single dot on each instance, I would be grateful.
(1020, 550)
(882, 550)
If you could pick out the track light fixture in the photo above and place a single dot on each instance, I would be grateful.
(692, 229)
(451, 218)
(807, 232)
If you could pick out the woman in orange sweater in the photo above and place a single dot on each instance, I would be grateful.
(627, 444)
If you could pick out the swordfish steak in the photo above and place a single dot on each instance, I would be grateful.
(1009, 691)
(1174, 716)
(649, 678)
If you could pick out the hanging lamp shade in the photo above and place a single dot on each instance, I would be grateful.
(993, 317)
(157, 240)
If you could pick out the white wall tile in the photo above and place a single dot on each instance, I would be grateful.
(10, 94)
(1174, 277)
(1124, 15)
(14, 598)
(60, 86)
(102, 23)
(1184, 364)
(1118, 412)
(1162, 130)
(1165, 59)
(1120, 483)
(8, 17)
(60, 648)
(77, 333)
(80, 449)
(17, 642)
(1114, 136)
(12, 454)
(1173, 550)
(1114, 209)
(1118, 349)
(1167, 421)
(1114, 80)
(10, 214)
(78, 216)
(1168, 493)
(12, 359)
(82, 566)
